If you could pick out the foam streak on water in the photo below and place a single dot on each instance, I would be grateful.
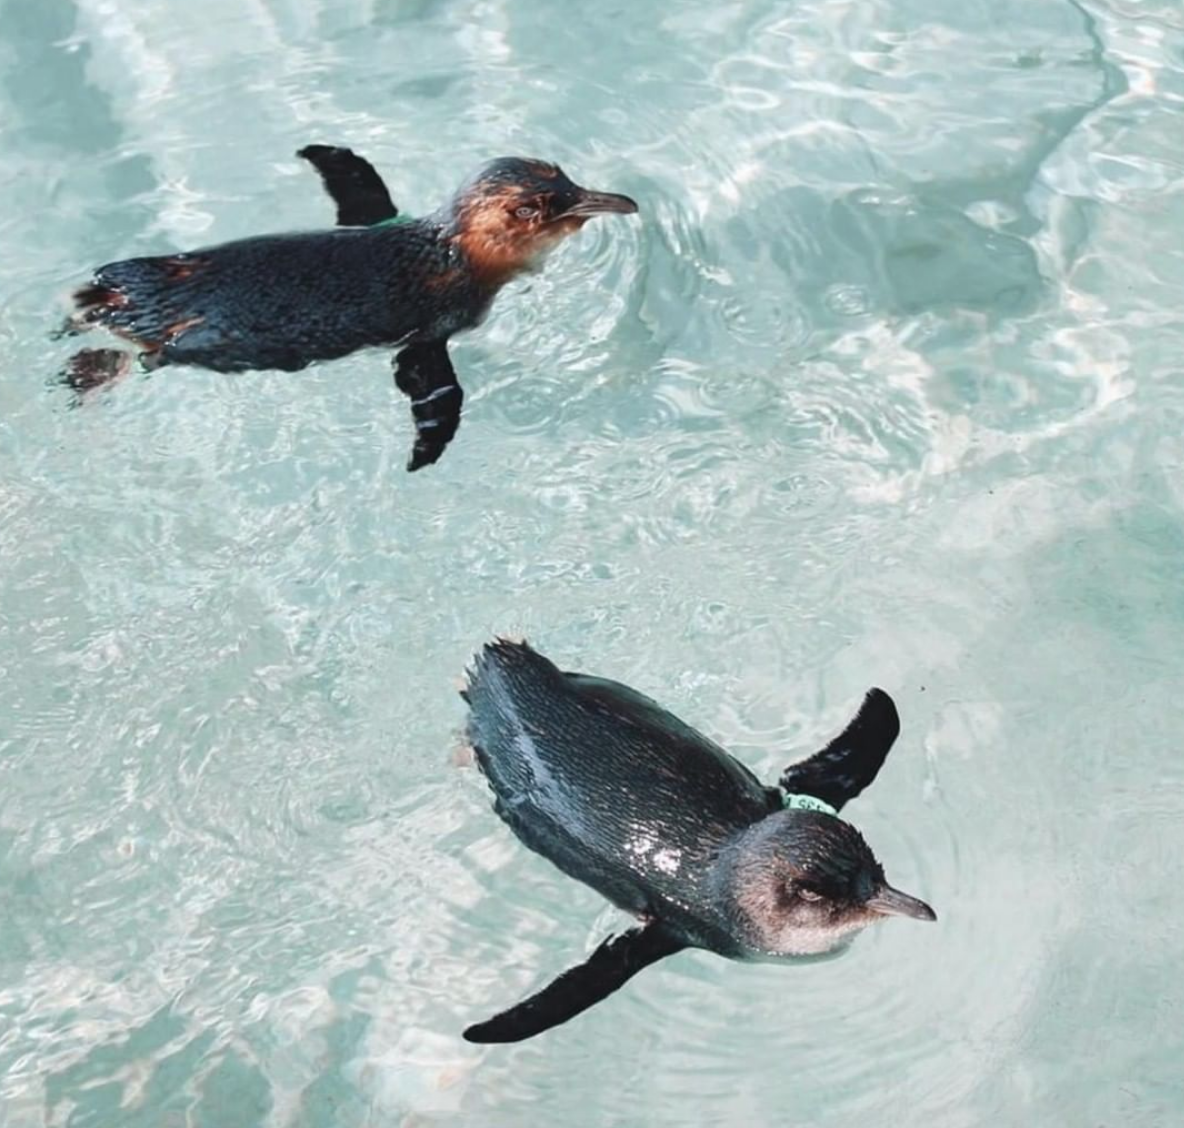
(882, 387)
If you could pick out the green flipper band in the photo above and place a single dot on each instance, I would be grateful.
(809, 803)
(393, 220)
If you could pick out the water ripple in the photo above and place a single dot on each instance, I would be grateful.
(879, 388)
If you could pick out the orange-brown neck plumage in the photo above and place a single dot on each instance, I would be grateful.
(498, 243)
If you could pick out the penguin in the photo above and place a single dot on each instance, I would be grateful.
(378, 279)
(622, 795)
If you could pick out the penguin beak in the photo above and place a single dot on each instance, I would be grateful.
(892, 902)
(588, 203)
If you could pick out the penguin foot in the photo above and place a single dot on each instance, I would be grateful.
(463, 754)
(95, 368)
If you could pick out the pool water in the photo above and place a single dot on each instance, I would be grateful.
(883, 386)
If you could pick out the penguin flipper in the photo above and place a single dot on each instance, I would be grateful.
(614, 962)
(851, 761)
(425, 373)
(357, 190)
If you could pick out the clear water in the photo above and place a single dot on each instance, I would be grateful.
(883, 387)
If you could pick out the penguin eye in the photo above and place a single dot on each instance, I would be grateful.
(809, 893)
(526, 211)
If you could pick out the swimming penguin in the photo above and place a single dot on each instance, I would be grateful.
(625, 797)
(378, 279)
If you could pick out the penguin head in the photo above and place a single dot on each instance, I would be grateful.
(803, 882)
(514, 210)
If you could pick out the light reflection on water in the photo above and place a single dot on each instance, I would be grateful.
(882, 389)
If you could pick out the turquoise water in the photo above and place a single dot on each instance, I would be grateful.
(884, 386)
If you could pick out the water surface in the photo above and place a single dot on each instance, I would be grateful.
(883, 387)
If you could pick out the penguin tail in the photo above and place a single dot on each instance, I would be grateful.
(498, 680)
(504, 677)
(502, 656)
(148, 301)
(499, 661)
(93, 305)
(97, 303)
(95, 296)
